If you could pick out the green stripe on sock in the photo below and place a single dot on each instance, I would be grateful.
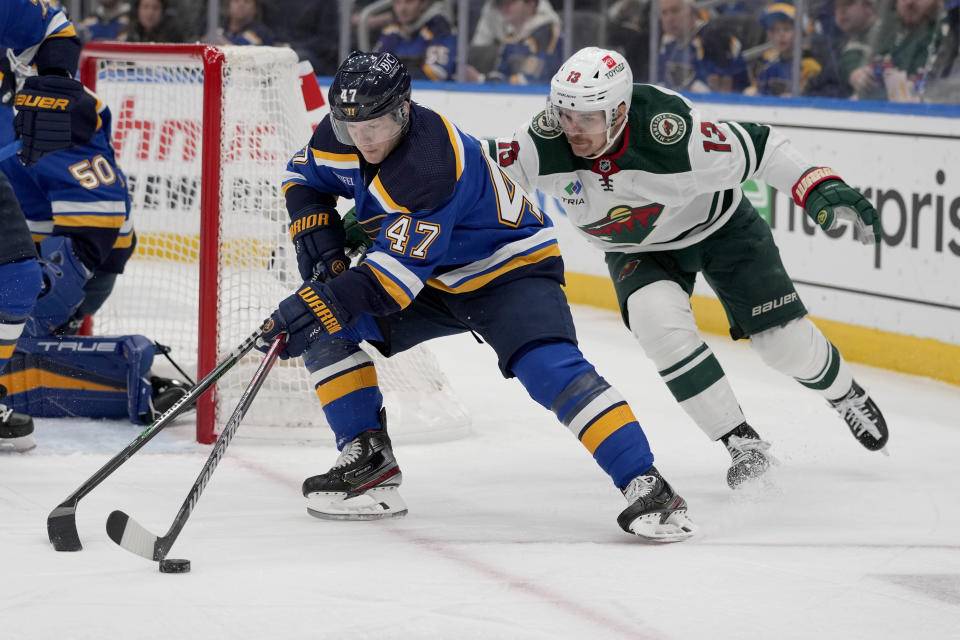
(821, 382)
(696, 352)
(697, 380)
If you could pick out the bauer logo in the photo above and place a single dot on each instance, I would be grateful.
(774, 304)
(667, 128)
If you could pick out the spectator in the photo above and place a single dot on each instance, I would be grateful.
(906, 41)
(859, 26)
(531, 49)
(150, 21)
(311, 29)
(107, 23)
(689, 61)
(775, 73)
(245, 24)
(943, 76)
(422, 37)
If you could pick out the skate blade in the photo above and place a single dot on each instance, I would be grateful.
(19, 445)
(676, 528)
(374, 504)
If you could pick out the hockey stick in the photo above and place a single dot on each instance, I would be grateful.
(62, 521)
(132, 536)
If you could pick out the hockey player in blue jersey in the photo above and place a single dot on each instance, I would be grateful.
(77, 207)
(457, 247)
(54, 113)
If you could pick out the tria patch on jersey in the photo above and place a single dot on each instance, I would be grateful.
(545, 126)
(667, 128)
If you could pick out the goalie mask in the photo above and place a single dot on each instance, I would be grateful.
(593, 79)
(369, 99)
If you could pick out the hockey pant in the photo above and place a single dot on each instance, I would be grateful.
(536, 345)
(91, 377)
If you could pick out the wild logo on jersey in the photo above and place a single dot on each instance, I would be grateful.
(626, 224)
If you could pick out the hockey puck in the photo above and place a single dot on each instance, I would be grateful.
(171, 565)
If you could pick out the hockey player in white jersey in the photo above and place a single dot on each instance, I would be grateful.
(642, 176)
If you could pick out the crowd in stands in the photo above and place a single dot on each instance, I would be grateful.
(894, 50)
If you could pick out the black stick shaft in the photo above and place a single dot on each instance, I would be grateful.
(162, 546)
(61, 523)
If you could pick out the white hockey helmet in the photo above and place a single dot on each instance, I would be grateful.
(593, 79)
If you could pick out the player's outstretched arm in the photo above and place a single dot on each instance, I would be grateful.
(828, 199)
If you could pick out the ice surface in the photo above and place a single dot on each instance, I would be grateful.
(512, 530)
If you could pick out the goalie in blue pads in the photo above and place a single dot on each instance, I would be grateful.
(56, 114)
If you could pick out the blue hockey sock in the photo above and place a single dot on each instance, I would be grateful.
(19, 285)
(558, 377)
(346, 383)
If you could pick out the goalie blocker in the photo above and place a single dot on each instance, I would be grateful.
(90, 377)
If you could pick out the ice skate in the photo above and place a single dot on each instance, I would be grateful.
(362, 485)
(16, 429)
(748, 453)
(863, 417)
(656, 512)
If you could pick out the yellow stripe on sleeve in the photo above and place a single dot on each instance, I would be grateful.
(100, 222)
(6, 350)
(349, 382)
(605, 426)
(392, 288)
(335, 157)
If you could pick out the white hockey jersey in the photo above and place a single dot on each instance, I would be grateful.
(674, 181)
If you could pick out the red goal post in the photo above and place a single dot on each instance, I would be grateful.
(203, 134)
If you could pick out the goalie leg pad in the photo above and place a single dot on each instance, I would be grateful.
(81, 376)
(662, 322)
(798, 349)
(64, 277)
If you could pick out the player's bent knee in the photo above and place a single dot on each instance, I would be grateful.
(545, 369)
(662, 322)
(792, 348)
(20, 284)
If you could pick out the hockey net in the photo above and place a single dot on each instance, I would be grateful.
(203, 135)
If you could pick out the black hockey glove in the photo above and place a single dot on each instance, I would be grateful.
(357, 239)
(306, 317)
(318, 236)
(827, 199)
(53, 113)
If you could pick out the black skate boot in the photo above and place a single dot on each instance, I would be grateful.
(362, 485)
(166, 393)
(749, 455)
(656, 512)
(863, 417)
(16, 429)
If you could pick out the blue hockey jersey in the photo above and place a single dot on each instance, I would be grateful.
(78, 192)
(441, 214)
(27, 23)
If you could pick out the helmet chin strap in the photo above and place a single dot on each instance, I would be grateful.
(611, 140)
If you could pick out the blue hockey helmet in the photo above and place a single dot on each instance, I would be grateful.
(369, 86)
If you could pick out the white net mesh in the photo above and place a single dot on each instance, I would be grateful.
(158, 110)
